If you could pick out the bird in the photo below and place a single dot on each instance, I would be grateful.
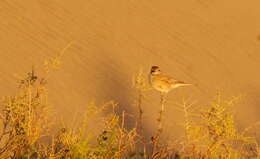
(162, 82)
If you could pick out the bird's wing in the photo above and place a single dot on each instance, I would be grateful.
(168, 79)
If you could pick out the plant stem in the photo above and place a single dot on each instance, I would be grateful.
(160, 126)
(140, 122)
(187, 123)
(121, 135)
(161, 115)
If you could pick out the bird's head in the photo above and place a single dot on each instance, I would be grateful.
(155, 70)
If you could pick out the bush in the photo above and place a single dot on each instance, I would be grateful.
(210, 133)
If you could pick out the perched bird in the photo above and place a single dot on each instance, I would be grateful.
(162, 82)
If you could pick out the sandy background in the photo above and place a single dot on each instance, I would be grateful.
(214, 44)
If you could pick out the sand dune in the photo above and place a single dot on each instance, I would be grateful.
(213, 44)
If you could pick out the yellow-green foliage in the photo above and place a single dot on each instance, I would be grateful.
(24, 118)
(215, 136)
(210, 133)
(114, 141)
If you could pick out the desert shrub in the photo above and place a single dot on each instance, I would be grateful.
(24, 118)
(214, 134)
(210, 132)
(114, 141)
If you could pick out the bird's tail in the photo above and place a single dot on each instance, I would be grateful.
(180, 84)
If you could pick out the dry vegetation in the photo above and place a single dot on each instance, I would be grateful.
(210, 133)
